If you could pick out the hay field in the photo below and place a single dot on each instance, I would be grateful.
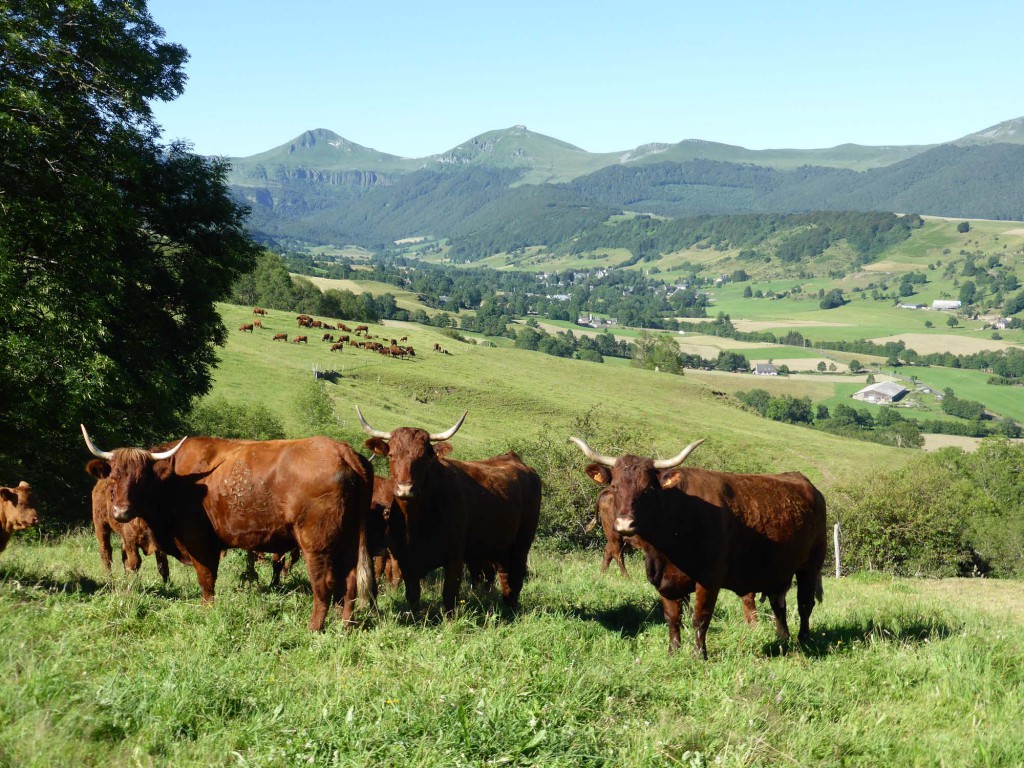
(927, 343)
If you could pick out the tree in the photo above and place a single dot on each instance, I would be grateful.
(952, 322)
(963, 227)
(114, 247)
(855, 365)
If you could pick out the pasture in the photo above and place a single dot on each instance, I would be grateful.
(127, 672)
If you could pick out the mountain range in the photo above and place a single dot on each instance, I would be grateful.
(322, 188)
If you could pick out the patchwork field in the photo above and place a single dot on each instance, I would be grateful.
(926, 344)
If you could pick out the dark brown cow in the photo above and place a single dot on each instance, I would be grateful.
(281, 564)
(300, 340)
(338, 346)
(17, 511)
(362, 329)
(449, 513)
(135, 534)
(245, 327)
(208, 494)
(745, 533)
(327, 337)
(280, 336)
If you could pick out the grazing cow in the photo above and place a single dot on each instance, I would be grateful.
(208, 494)
(279, 565)
(327, 337)
(404, 338)
(17, 511)
(280, 336)
(338, 346)
(437, 347)
(362, 329)
(344, 338)
(259, 311)
(135, 534)
(343, 327)
(300, 340)
(245, 327)
(745, 533)
(449, 513)
(329, 327)
(316, 324)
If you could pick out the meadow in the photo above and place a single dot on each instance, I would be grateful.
(127, 672)
(124, 671)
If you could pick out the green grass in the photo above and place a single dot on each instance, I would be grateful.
(124, 672)
(514, 395)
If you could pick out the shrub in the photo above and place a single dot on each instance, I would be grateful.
(216, 417)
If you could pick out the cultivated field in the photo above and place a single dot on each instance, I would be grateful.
(128, 672)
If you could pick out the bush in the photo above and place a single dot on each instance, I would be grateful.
(944, 514)
(216, 417)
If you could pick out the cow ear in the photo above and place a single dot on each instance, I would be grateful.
(163, 470)
(7, 494)
(671, 479)
(441, 450)
(378, 445)
(599, 473)
(98, 468)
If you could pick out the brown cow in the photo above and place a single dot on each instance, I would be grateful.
(327, 337)
(343, 327)
(245, 327)
(449, 513)
(338, 346)
(257, 323)
(300, 340)
(280, 336)
(745, 533)
(616, 545)
(17, 511)
(135, 534)
(362, 329)
(208, 494)
(259, 311)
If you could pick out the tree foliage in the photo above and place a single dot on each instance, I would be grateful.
(113, 246)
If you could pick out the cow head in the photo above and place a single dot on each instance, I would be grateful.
(410, 451)
(134, 474)
(18, 507)
(635, 483)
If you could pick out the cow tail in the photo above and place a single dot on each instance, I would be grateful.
(365, 581)
(819, 592)
(591, 525)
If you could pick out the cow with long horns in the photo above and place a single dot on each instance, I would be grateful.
(208, 494)
(447, 513)
(745, 533)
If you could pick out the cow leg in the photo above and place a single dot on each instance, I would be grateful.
(412, 589)
(702, 610)
(133, 560)
(452, 582)
(105, 551)
(161, 565)
(808, 585)
(608, 555)
(749, 609)
(250, 568)
(672, 609)
(392, 573)
(620, 557)
(276, 568)
(206, 565)
(777, 600)
(321, 578)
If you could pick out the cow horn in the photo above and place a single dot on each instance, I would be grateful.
(675, 461)
(168, 454)
(451, 432)
(608, 461)
(370, 430)
(106, 455)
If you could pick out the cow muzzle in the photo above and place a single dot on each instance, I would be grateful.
(122, 514)
(625, 525)
(404, 491)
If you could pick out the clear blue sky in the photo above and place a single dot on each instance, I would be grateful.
(418, 78)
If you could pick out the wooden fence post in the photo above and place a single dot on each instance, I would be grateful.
(835, 543)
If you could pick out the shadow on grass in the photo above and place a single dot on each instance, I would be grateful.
(73, 584)
(628, 619)
(832, 640)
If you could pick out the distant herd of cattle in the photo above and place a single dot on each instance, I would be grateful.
(386, 347)
(699, 531)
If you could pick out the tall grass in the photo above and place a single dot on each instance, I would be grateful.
(127, 672)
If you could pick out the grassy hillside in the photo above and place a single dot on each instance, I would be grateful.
(513, 395)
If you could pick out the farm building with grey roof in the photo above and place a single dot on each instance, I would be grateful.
(882, 392)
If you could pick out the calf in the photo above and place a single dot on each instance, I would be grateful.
(17, 511)
(135, 534)
(744, 533)
(279, 565)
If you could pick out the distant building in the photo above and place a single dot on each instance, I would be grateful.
(882, 392)
(765, 369)
(945, 305)
(912, 306)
